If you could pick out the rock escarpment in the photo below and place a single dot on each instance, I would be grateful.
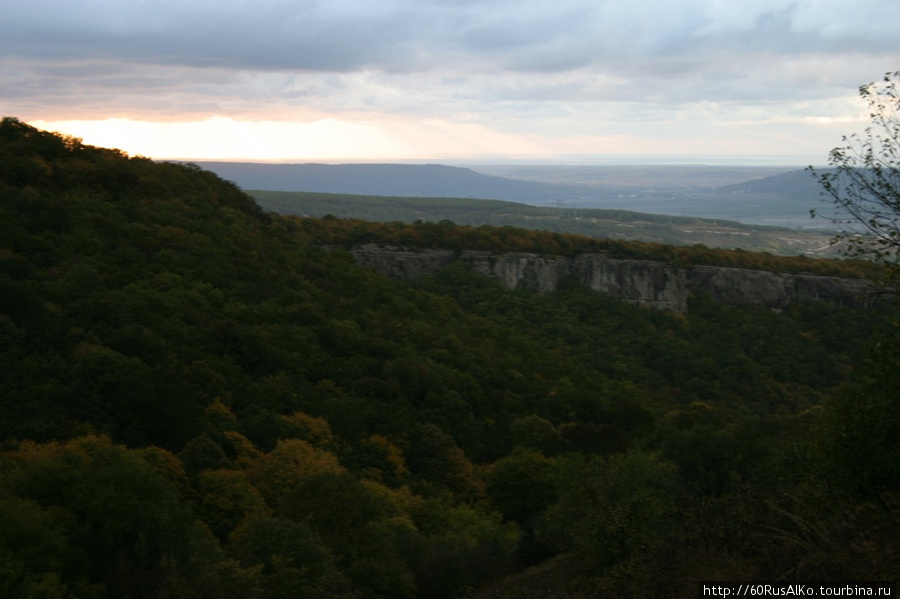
(640, 282)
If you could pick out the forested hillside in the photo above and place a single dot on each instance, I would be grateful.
(199, 400)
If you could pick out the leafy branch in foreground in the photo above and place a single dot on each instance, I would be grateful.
(864, 183)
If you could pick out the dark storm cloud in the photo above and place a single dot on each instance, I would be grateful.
(403, 54)
(272, 36)
(399, 36)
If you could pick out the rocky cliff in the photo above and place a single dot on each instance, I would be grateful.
(640, 282)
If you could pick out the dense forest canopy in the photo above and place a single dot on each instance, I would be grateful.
(198, 400)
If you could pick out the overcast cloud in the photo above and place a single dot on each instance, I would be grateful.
(555, 77)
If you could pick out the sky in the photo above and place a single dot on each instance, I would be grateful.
(574, 81)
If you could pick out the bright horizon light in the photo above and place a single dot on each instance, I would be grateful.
(331, 140)
(222, 138)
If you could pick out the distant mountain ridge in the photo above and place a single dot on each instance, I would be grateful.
(438, 180)
(403, 180)
(784, 199)
(799, 184)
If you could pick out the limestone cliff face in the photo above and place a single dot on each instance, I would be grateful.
(738, 286)
(640, 282)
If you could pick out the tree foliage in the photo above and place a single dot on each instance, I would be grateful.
(864, 183)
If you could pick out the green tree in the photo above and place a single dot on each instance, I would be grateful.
(34, 553)
(226, 500)
(853, 533)
(458, 547)
(202, 453)
(293, 559)
(864, 185)
(435, 457)
(619, 516)
(535, 432)
(522, 485)
(362, 524)
(112, 507)
(287, 466)
(858, 443)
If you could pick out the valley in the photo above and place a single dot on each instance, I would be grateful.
(594, 222)
(752, 208)
(204, 398)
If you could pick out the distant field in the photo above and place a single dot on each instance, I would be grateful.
(776, 196)
(610, 223)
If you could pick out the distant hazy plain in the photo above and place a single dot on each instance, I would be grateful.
(761, 195)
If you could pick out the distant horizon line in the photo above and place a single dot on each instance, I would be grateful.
(675, 160)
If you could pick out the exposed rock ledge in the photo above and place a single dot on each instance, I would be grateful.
(640, 282)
